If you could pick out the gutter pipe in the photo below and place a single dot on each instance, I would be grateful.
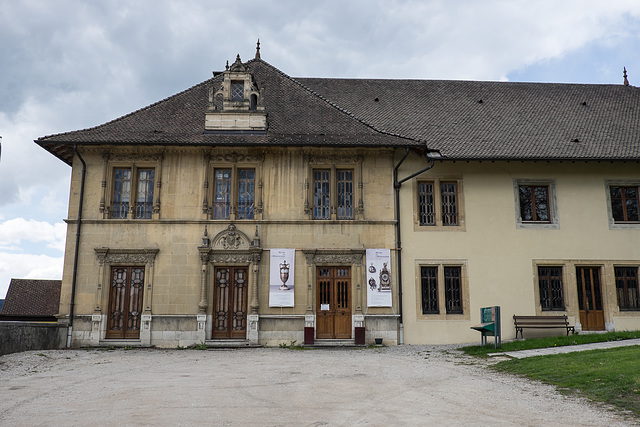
(77, 248)
(429, 155)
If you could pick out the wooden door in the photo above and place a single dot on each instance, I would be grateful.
(333, 320)
(230, 303)
(125, 303)
(590, 298)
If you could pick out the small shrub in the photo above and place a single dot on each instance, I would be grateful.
(201, 346)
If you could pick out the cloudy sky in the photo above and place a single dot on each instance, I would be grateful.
(68, 65)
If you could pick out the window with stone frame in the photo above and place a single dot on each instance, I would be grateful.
(132, 195)
(625, 202)
(627, 288)
(327, 183)
(438, 203)
(535, 202)
(233, 190)
(441, 289)
(550, 287)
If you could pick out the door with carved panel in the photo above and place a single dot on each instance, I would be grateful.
(125, 303)
(590, 298)
(333, 311)
(230, 293)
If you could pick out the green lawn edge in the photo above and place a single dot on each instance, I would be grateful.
(546, 342)
(610, 376)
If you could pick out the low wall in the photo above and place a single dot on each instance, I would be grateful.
(23, 336)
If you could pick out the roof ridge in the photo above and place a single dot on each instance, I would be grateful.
(333, 104)
(131, 113)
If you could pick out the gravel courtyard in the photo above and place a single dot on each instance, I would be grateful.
(404, 385)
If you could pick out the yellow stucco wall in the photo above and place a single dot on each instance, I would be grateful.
(499, 258)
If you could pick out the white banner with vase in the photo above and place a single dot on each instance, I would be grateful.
(281, 274)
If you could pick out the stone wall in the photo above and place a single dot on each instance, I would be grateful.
(23, 336)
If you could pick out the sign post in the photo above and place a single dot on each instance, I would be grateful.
(490, 326)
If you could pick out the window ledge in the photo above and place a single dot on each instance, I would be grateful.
(538, 225)
(624, 225)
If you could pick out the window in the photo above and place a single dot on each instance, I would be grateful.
(429, 277)
(441, 289)
(321, 194)
(452, 290)
(438, 203)
(345, 194)
(550, 287)
(627, 288)
(132, 185)
(237, 91)
(624, 203)
(223, 191)
(535, 204)
(323, 200)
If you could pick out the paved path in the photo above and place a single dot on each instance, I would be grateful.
(387, 386)
(521, 354)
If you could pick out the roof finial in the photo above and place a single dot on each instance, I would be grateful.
(626, 82)
(258, 50)
(227, 66)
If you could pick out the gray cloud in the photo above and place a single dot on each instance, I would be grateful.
(69, 65)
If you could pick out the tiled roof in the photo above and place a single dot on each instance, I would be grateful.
(461, 119)
(498, 120)
(32, 298)
(296, 116)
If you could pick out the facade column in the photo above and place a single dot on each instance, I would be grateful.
(204, 257)
(145, 332)
(253, 318)
(202, 305)
(255, 269)
(309, 316)
(96, 317)
(105, 163)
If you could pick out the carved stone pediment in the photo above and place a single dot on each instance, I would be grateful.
(232, 246)
(341, 158)
(233, 156)
(126, 256)
(231, 239)
(337, 256)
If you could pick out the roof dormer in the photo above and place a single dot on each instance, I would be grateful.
(236, 105)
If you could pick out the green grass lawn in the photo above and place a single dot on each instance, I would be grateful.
(558, 341)
(611, 376)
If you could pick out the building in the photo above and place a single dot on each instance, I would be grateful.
(31, 300)
(257, 208)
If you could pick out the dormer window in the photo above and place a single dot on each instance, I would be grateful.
(235, 104)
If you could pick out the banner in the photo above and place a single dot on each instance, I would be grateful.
(378, 278)
(281, 274)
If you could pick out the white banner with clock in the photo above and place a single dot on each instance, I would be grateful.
(378, 278)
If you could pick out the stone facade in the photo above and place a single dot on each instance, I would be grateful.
(179, 269)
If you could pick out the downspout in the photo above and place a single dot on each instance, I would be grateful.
(396, 185)
(77, 249)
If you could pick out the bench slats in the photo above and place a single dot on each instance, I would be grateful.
(540, 322)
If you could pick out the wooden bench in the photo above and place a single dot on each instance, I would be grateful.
(535, 322)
